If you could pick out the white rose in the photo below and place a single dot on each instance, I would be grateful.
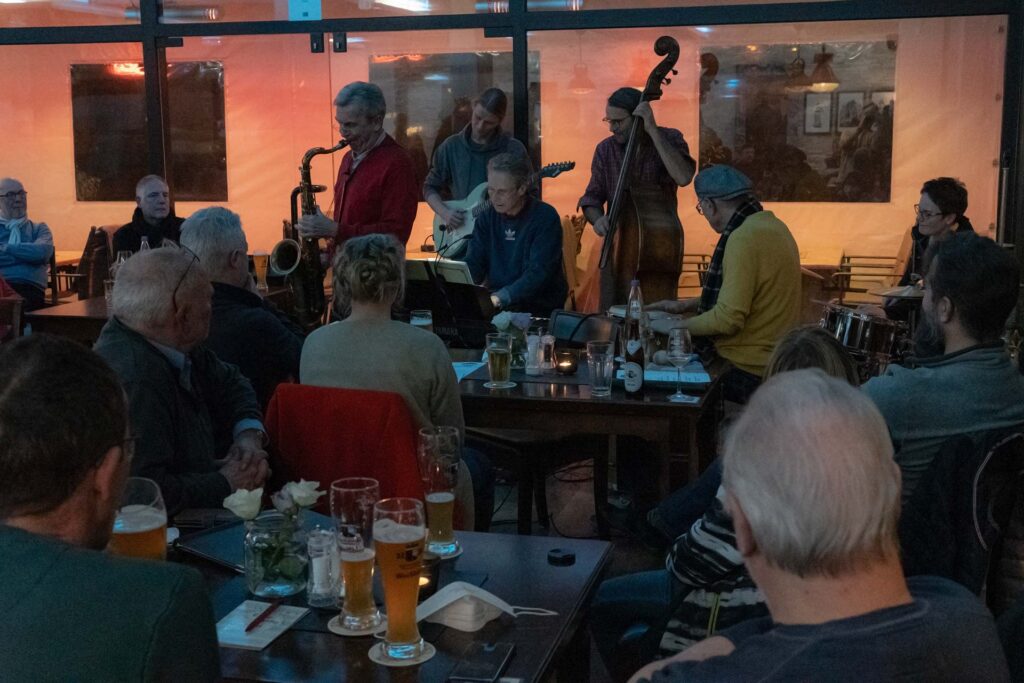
(283, 502)
(245, 503)
(304, 493)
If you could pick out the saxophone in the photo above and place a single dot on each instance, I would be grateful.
(298, 258)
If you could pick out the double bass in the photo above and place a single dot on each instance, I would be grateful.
(644, 231)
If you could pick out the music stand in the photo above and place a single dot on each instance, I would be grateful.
(461, 312)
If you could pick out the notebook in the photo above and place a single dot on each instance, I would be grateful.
(231, 629)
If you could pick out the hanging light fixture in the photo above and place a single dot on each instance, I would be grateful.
(580, 83)
(823, 78)
(798, 80)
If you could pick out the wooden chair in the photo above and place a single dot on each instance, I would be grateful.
(94, 266)
(694, 274)
(10, 318)
(572, 233)
(858, 274)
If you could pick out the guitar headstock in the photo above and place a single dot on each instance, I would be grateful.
(556, 169)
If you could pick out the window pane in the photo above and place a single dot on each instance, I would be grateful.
(302, 10)
(940, 79)
(66, 13)
(549, 5)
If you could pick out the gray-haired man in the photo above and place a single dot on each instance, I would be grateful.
(376, 190)
(195, 417)
(814, 496)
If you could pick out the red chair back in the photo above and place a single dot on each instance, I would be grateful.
(322, 434)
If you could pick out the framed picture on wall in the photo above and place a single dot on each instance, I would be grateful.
(817, 113)
(848, 108)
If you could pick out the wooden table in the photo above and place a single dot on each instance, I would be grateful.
(683, 434)
(515, 568)
(80, 320)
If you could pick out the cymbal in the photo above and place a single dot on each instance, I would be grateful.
(907, 292)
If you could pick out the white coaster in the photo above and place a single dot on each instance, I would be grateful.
(377, 656)
(334, 626)
(457, 552)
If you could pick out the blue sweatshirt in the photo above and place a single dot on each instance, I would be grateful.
(519, 258)
(28, 261)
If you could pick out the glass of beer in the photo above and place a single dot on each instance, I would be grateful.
(352, 501)
(261, 261)
(439, 467)
(423, 319)
(398, 536)
(140, 528)
(499, 361)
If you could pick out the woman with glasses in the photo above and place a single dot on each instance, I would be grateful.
(940, 213)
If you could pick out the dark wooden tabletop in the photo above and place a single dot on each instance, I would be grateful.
(515, 568)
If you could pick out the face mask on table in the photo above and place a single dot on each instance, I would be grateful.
(466, 607)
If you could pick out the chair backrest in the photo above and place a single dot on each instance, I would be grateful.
(322, 434)
(954, 523)
(10, 318)
(52, 278)
(94, 267)
(573, 330)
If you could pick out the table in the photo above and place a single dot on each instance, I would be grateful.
(565, 409)
(80, 320)
(516, 570)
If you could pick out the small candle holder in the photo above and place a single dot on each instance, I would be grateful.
(430, 574)
(566, 362)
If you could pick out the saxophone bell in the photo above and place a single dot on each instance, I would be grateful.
(285, 257)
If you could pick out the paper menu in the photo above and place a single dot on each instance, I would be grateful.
(231, 629)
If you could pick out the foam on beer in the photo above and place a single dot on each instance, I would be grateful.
(357, 555)
(134, 519)
(440, 497)
(390, 531)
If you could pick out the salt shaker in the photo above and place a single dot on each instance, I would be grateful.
(324, 568)
(533, 359)
(547, 354)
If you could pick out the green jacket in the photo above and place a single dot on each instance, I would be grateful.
(71, 614)
(180, 429)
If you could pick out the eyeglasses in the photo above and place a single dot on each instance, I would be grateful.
(927, 215)
(174, 294)
(615, 123)
(13, 195)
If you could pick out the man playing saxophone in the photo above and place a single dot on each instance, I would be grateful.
(376, 190)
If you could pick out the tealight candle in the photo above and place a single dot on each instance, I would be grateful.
(565, 362)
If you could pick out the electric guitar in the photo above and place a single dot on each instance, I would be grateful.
(447, 240)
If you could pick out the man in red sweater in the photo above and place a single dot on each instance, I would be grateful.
(376, 191)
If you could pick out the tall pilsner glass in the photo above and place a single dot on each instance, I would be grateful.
(398, 536)
(140, 528)
(439, 467)
(352, 501)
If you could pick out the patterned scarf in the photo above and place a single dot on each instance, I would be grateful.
(714, 277)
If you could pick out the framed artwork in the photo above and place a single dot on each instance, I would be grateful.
(848, 109)
(817, 113)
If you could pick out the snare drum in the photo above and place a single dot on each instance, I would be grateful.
(865, 334)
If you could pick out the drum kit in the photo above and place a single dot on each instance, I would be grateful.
(873, 341)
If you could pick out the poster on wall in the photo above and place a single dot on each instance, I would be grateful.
(807, 123)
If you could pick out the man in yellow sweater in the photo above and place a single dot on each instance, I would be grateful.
(751, 296)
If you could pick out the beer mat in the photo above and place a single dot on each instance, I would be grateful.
(335, 627)
(582, 376)
(693, 374)
(376, 655)
(231, 629)
(223, 544)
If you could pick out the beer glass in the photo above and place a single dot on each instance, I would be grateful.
(439, 467)
(499, 361)
(260, 262)
(423, 319)
(600, 363)
(140, 528)
(352, 502)
(398, 535)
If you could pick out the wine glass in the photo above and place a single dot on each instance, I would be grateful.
(680, 352)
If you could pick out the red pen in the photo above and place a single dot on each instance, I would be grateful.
(263, 616)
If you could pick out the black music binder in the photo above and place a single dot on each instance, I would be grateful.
(462, 312)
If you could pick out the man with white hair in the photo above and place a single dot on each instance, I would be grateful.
(153, 219)
(25, 247)
(814, 496)
(196, 419)
(376, 190)
(245, 329)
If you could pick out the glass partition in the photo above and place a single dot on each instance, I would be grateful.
(841, 160)
(15, 13)
(305, 10)
(41, 136)
(550, 5)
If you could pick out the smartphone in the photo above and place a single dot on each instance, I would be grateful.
(482, 662)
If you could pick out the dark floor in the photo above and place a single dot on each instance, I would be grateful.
(571, 508)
